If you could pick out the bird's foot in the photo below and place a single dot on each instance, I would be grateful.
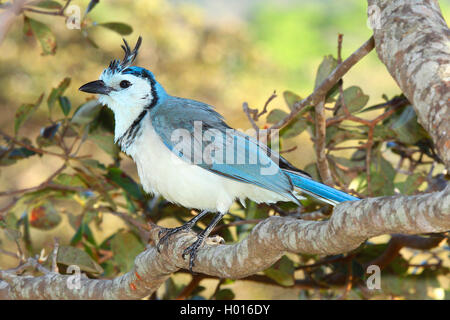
(192, 251)
(166, 233)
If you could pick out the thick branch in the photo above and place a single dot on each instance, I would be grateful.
(412, 40)
(349, 226)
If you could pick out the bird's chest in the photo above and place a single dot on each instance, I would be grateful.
(161, 171)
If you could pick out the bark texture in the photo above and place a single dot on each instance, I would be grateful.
(349, 226)
(413, 40)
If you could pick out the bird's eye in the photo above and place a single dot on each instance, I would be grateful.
(125, 84)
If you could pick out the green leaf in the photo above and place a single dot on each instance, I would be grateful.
(5, 160)
(47, 4)
(225, 294)
(171, 289)
(291, 98)
(276, 115)
(382, 175)
(65, 105)
(12, 234)
(344, 176)
(57, 92)
(335, 135)
(104, 122)
(70, 180)
(21, 153)
(311, 169)
(411, 184)
(355, 99)
(357, 270)
(406, 128)
(106, 143)
(91, 41)
(327, 66)
(78, 236)
(294, 128)
(42, 33)
(83, 232)
(398, 266)
(24, 112)
(333, 92)
(119, 27)
(68, 256)
(125, 246)
(282, 272)
(86, 113)
(11, 220)
(44, 217)
(9, 157)
(125, 182)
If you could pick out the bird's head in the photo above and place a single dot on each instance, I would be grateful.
(127, 90)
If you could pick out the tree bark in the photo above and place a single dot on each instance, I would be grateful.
(412, 40)
(349, 226)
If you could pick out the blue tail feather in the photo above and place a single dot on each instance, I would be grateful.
(318, 190)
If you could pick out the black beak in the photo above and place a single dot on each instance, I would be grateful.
(97, 86)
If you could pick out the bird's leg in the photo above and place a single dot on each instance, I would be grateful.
(171, 231)
(193, 248)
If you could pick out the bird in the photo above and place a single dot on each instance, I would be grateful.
(184, 150)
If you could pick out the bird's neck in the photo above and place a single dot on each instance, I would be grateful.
(129, 118)
(126, 117)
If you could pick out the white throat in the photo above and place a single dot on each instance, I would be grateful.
(124, 115)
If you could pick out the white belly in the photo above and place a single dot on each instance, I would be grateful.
(191, 186)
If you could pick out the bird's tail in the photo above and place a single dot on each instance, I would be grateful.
(318, 190)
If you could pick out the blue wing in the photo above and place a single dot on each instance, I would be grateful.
(184, 125)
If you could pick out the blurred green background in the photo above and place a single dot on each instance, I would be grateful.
(220, 52)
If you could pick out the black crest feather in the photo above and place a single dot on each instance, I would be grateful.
(128, 59)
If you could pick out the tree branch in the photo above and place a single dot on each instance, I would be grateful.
(411, 39)
(349, 226)
(320, 138)
(321, 91)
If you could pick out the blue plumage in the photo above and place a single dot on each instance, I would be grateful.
(319, 190)
(216, 164)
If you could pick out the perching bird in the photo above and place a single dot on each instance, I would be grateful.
(185, 151)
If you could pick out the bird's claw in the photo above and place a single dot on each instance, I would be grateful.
(167, 233)
(192, 251)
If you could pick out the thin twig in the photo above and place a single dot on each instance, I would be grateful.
(59, 13)
(320, 144)
(219, 284)
(328, 83)
(11, 254)
(249, 113)
(55, 255)
(31, 148)
(253, 115)
(289, 150)
(187, 291)
(46, 184)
